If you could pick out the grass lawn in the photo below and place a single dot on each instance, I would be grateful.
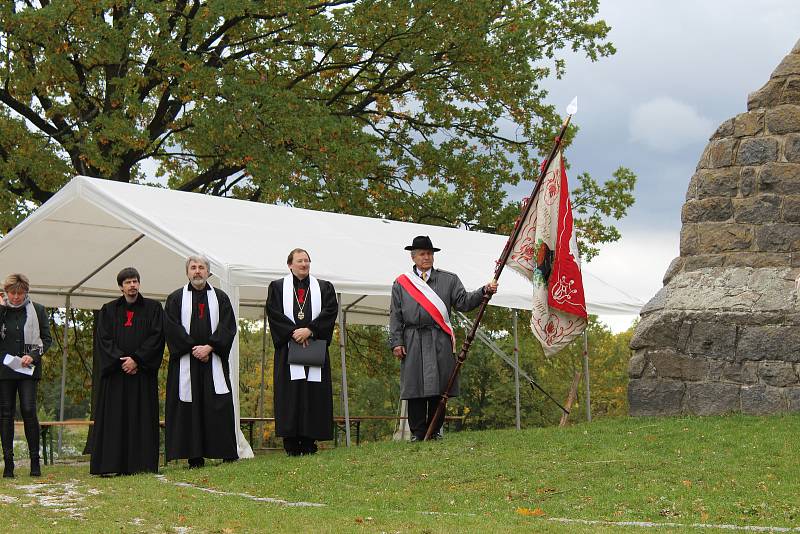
(734, 470)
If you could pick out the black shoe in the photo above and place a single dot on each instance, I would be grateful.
(417, 438)
(308, 446)
(8, 470)
(437, 436)
(292, 446)
(195, 463)
(36, 470)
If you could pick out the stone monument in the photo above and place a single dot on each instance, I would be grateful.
(723, 334)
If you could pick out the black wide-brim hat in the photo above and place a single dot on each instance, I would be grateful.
(422, 242)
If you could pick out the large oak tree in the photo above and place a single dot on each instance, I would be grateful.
(420, 110)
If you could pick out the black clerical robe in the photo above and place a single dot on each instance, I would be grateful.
(204, 427)
(301, 408)
(126, 434)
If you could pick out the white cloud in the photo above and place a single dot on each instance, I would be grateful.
(616, 323)
(667, 125)
(636, 265)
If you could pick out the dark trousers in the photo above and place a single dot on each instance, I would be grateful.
(27, 406)
(299, 445)
(420, 415)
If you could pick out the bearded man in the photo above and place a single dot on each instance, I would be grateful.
(200, 329)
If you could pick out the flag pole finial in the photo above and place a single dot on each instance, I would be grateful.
(572, 108)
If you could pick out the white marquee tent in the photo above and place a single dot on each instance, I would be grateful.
(73, 245)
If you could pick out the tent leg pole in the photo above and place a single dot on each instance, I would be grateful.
(263, 376)
(516, 369)
(343, 350)
(63, 373)
(586, 376)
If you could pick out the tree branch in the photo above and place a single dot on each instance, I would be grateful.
(28, 113)
(215, 173)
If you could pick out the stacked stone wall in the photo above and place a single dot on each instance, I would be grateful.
(723, 334)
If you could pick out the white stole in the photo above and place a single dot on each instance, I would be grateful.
(298, 372)
(185, 381)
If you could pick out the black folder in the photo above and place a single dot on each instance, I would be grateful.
(313, 355)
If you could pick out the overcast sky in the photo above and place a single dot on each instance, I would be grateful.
(681, 69)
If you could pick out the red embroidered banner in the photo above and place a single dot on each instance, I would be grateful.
(566, 283)
(546, 253)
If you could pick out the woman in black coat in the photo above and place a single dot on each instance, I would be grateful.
(24, 337)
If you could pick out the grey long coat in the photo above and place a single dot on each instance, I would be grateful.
(429, 360)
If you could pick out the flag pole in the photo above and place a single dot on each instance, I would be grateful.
(441, 409)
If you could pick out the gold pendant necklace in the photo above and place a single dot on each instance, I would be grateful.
(300, 313)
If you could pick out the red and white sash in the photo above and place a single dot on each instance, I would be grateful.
(426, 297)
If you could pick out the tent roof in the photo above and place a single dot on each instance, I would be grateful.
(91, 220)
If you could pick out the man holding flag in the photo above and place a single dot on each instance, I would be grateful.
(421, 335)
(543, 248)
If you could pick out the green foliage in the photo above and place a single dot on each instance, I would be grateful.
(251, 350)
(28, 168)
(594, 204)
(487, 386)
(391, 109)
(373, 380)
(78, 389)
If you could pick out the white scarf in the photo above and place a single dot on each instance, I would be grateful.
(298, 372)
(30, 332)
(185, 388)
